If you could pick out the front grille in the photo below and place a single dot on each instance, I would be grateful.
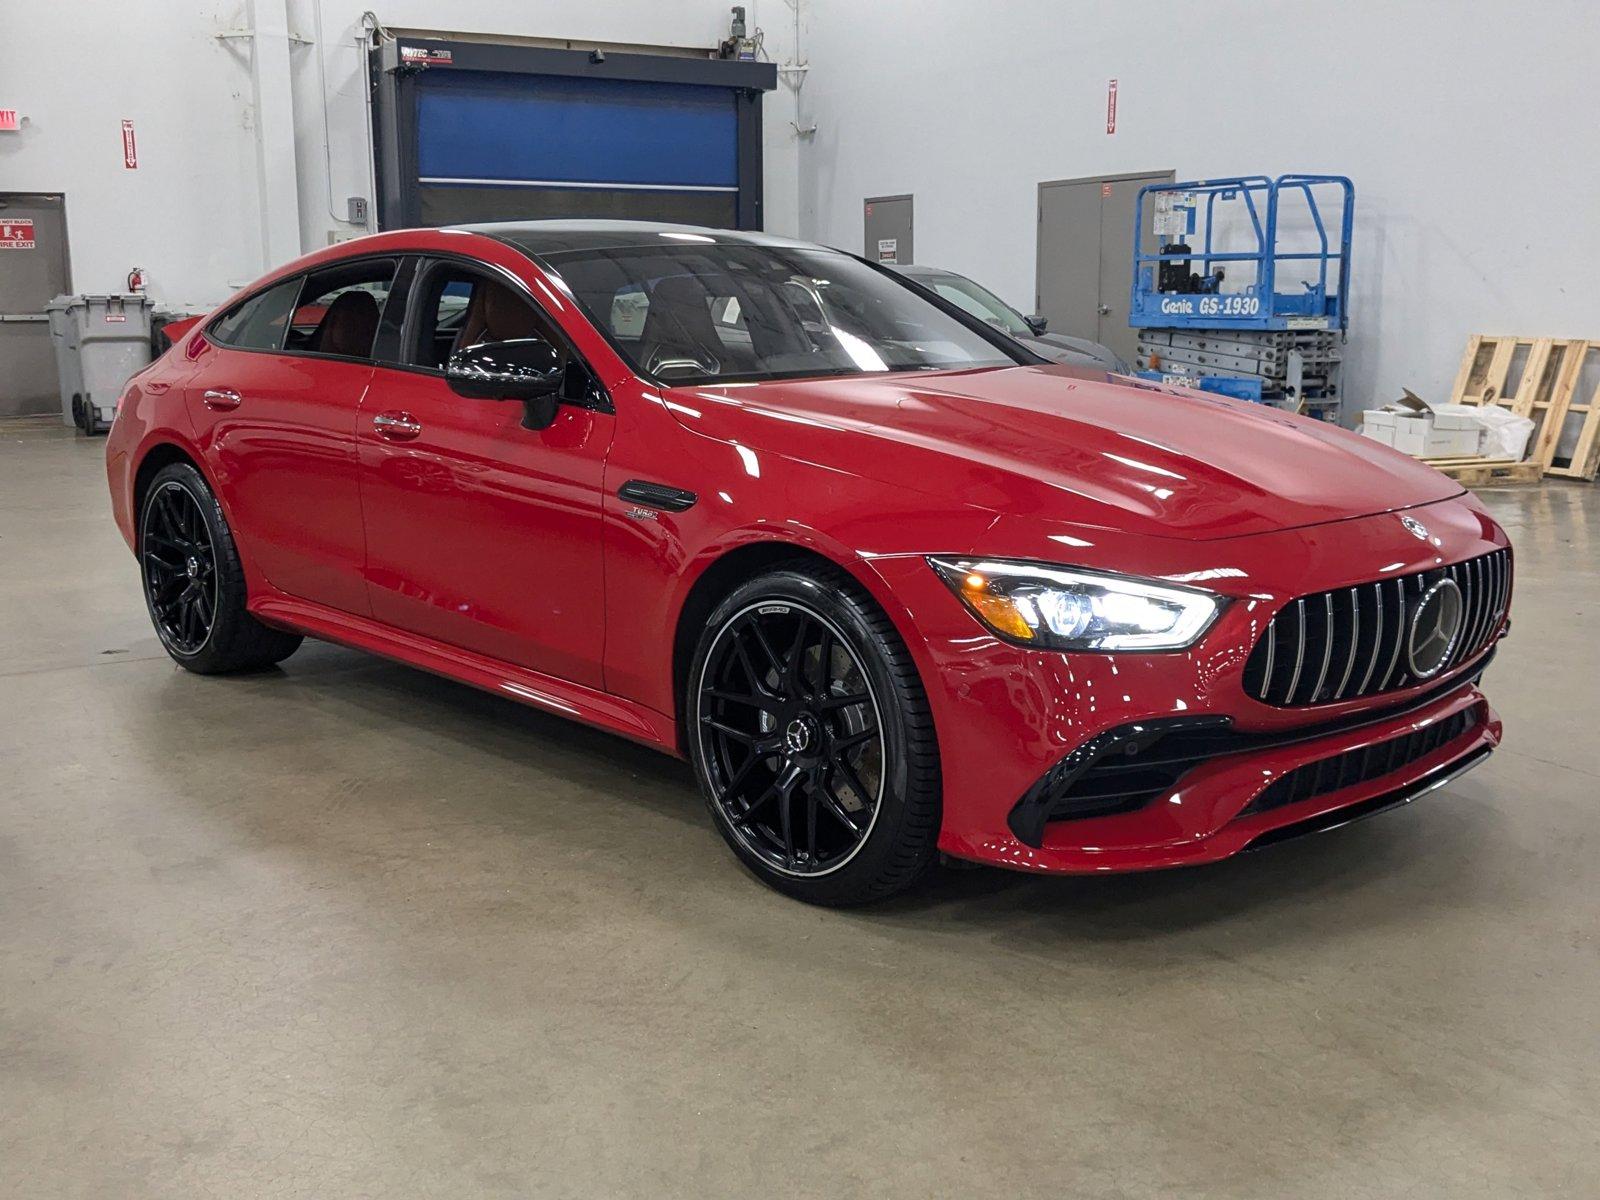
(1360, 766)
(1350, 642)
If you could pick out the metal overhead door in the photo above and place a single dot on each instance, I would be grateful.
(470, 131)
(492, 147)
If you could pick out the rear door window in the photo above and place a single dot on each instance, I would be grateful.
(260, 322)
(340, 308)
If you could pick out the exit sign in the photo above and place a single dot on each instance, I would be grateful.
(16, 235)
(8, 120)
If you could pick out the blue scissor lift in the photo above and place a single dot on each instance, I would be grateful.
(1264, 317)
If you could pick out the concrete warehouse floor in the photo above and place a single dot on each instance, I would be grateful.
(350, 930)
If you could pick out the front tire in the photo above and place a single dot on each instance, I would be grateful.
(810, 734)
(194, 583)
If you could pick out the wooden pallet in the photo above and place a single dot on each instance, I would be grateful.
(1543, 391)
(1585, 460)
(1488, 472)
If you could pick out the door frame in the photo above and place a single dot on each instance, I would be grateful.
(66, 234)
(1038, 221)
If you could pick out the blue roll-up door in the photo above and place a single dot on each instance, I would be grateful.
(498, 146)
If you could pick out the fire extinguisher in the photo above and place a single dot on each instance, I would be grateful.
(136, 280)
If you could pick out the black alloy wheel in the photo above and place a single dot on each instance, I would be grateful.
(792, 736)
(809, 731)
(194, 583)
(180, 568)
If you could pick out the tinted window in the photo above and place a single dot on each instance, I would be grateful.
(259, 322)
(689, 314)
(457, 307)
(340, 308)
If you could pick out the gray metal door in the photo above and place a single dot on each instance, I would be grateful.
(1067, 288)
(1085, 256)
(888, 229)
(33, 271)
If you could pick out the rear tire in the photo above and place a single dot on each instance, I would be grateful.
(194, 584)
(810, 735)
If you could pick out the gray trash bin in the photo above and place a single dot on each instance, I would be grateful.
(99, 341)
(64, 339)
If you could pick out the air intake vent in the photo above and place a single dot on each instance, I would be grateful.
(1360, 766)
(1352, 642)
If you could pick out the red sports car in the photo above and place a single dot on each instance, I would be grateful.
(891, 584)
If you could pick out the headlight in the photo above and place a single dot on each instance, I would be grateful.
(1065, 608)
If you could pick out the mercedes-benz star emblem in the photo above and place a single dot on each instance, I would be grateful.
(1414, 527)
(1435, 628)
(797, 737)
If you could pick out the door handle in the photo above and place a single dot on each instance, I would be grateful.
(1105, 310)
(221, 399)
(396, 426)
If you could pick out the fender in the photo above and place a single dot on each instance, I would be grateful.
(857, 565)
(186, 442)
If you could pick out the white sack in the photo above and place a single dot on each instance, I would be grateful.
(1505, 435)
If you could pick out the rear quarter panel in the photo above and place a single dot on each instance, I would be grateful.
(150, 413)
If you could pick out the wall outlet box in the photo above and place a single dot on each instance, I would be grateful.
(357, 207)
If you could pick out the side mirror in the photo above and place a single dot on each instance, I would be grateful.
(1038, 323)
(527, 369)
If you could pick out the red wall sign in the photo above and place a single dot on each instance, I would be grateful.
(1111, 107)
(130, 152)
(16, 235)
(8, 120)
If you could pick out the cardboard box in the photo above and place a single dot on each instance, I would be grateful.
(1378, 424)
(1421, 437)
(1425, 430)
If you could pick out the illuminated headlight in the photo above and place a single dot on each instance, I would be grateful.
(1065, 608)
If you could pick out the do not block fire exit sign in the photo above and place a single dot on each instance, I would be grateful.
(16, 235)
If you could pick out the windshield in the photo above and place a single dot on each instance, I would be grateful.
(980, 302)
(697, 314)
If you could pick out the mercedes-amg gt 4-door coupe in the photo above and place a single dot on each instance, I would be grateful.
(892, 584)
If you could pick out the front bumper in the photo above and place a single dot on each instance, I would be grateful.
(1008, 717)
(1216, 810)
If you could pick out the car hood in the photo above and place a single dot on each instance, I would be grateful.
(1072, 444)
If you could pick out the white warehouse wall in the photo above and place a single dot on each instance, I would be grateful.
(191, 213)
(1465, 125)
(1468, 126)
